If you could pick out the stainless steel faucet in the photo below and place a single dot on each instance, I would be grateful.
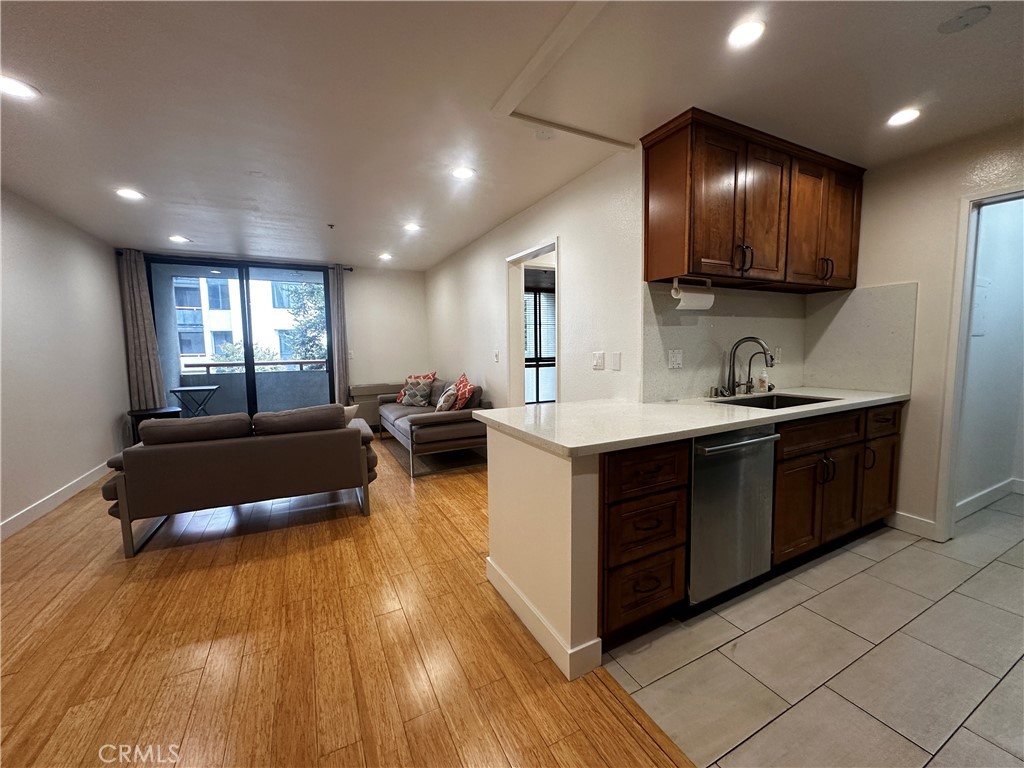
(732, 384)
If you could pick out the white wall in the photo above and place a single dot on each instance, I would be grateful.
(910, 232)
(63, 382)
(598, 221)
(706, 337)
(991, 419)
(386, 323)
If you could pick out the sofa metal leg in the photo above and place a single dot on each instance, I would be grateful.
(412, 462)
(126, 537)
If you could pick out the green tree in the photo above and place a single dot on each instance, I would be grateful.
(308, 335)
(235, 353)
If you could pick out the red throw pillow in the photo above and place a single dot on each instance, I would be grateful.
(430, 376)
(463, 391)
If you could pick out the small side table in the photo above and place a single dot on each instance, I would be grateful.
(171, 412)
(194, 399)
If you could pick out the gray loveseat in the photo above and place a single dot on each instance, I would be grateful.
(423, 430)
(219, 461)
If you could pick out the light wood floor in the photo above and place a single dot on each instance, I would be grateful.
(293, 633)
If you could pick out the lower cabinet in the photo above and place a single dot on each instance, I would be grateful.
(881, 469)
(797, 523)
(840, 502)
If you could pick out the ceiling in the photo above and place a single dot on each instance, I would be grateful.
(252, 126)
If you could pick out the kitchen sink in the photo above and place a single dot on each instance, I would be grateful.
(773, 402)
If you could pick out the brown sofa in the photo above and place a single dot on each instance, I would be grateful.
(423, 430)
(217, 461)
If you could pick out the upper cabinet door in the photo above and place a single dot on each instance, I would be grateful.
(842, 230)
(719, 160)
(766, 218)
(805, 262)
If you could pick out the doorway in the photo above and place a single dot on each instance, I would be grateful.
(241, 336)
(533, 325)
(987, 461)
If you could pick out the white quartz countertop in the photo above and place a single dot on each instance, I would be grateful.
(598, 426)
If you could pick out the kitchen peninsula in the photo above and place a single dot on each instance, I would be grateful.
(562, 476)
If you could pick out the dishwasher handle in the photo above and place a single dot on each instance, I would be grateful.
(713, 450)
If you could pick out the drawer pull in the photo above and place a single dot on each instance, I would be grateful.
(644, 474)
(874, 457)
(647, 580)
(884, 419)
(653, 525)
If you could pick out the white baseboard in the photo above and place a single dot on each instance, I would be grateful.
(33, 512)
(573, 661)
(918, 526)
(981, 500)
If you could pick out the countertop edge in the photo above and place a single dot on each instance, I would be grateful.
(757, 418)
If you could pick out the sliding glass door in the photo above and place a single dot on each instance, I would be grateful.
(241, 337)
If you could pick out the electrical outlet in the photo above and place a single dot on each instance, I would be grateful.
(599, 361)
(351, 354)
(616, 361)
(675, 358)
(778, 355)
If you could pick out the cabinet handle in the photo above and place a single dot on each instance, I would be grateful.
(647, 579)
(830, 269)
(884, 419)
(743, 256)
(824, 272)
(750, 250)
(874, 457)
(651, 526)
(644, 474)
(832, 465)
(822, 462)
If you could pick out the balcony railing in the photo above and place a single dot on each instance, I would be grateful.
(233, 367)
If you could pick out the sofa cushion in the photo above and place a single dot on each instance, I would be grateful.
(350, 413)
(312, 419)
(437, 388)
(475, 399)
(196, 429)
(109, 489)
(464, 391)
(392, 412)
(446, 401)
(417, 392)
(431, 376)
(452, 431)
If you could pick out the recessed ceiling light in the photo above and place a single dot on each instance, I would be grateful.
(130, 194)
(904, 116)
(463, 172)
(18, 89)
(412, 226)
(746, 33)
(179, 239)
(214, 271)
(385, 257)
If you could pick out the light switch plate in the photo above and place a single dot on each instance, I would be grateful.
(616, 361)
(495, 355)
(599, 361)
(675, 358)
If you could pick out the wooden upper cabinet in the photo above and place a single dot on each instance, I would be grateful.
(719, 161)
(746, 209)
(765, 222)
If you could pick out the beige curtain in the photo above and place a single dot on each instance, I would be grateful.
(145, 380)
(340, 342)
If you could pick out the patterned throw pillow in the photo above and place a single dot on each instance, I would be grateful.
(429, 376)
(417, 391)
(446, 402)
(464, 390)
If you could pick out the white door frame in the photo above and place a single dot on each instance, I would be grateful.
(961, 302)
(514, 319)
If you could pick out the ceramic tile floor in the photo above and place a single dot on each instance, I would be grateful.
(893, 651)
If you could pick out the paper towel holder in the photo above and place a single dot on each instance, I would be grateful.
(693, 298)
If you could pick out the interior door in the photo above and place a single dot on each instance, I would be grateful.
(719, 161)
(766, 217)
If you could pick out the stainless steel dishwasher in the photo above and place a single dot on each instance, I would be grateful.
(731, 514)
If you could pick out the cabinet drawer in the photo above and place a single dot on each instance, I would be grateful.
(818, 433)
(639, 589)
(884, 420)
(644, 526)
(639, 471)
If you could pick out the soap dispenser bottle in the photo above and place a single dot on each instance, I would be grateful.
(762, 381)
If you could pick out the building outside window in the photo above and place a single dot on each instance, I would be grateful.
(218, 339)
(188, 309)
(220, 296)
(281, 293)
